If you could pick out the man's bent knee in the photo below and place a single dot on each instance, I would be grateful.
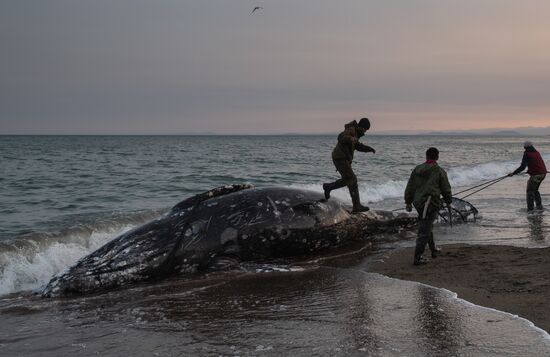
(351, 181)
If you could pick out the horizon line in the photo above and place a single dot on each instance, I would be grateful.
(300, 134)
(481, 131)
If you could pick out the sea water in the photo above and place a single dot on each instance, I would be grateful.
(62, 197)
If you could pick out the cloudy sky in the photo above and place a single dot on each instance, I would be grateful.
(177, 66)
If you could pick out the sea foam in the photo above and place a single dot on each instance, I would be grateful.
(32, 266)
(459, 177)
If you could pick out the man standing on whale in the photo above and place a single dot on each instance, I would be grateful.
(342, 156)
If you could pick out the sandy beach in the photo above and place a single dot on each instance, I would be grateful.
(511, 279)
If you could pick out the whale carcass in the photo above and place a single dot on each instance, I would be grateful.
(237, 221)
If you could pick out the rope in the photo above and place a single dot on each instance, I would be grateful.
(482, 184)
(490, 184)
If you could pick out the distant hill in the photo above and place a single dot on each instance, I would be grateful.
(507, 133)
(474, 132)
(521, 131)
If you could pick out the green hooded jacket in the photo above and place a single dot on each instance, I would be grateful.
(428, 180)
(348, 142)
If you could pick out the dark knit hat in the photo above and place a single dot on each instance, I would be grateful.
(364, 123)
(432, 154)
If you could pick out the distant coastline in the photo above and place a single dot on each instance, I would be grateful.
(504, 132)
(520, 131)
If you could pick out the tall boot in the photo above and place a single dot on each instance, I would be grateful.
(418, 257)
(357, 206)
(424, 236)
(530, 200)
(538, 200)
(435, 250)
(327, 187)
(431, 242)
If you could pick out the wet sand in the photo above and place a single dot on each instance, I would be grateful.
(511, 279)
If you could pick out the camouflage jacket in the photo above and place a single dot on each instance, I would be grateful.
(428, 180)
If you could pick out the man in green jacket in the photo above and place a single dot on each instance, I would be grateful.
(342, 157)
(427, 183)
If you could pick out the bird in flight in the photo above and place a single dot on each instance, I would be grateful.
(256, 8)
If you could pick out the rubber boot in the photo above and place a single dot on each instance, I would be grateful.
(327, 187)
(418, 257)
(424, 236)
(538, 200)
(357, 206)
(435, 251)
(530, 200)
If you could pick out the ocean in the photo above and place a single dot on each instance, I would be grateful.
(62, 197)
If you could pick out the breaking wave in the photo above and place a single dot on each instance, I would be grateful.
(459, 177)
(29, 262)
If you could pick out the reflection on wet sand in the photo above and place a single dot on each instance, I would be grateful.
(360, 325)
(321, 311)
(536, 226)
(439, 324)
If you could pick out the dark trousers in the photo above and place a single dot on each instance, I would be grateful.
(533, 194)
(348, 179)
(348, 176)
(425, 234)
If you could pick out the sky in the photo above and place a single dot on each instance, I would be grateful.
(295, 66)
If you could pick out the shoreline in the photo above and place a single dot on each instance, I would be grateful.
(510, 279)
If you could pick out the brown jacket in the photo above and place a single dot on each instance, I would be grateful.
(348, 142)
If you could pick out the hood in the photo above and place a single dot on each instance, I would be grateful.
(355, 127)
(351, 124)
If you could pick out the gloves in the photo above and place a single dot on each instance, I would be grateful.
(408, 207)
(373, 151)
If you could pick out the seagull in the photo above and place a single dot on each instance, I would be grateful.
(256, 8)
